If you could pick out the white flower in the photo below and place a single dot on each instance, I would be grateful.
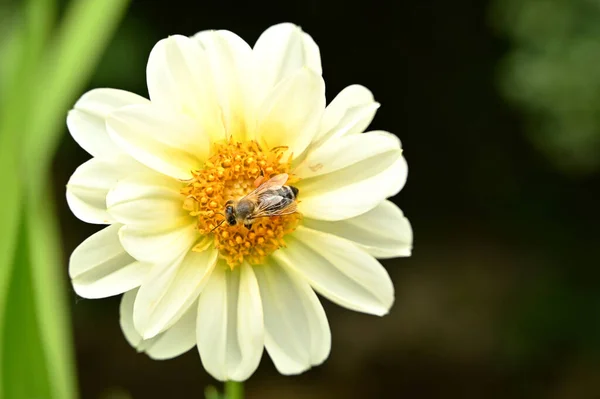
(220, 115)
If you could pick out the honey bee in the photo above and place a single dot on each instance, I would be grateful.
(271, 198)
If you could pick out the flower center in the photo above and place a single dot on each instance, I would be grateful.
(233, 170)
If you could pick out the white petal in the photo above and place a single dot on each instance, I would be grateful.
(369, 150)
(159, 247)
(279, 52)
(230, 331)
(230, 60)
(88, 186)
(179, 78)
(297, 333)
(175, 341)
(126, 319)
(170, 143)
(99, 267)
(350, 112)
(148, 201)
(354, 190)
(170, 290)
(338, 270)
(291, 112)
(250, 324)
(383, 232)
(86, 121)
(178, 339)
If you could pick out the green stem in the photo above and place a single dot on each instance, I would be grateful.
(234, 390)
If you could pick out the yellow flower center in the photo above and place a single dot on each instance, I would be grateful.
(232, 171)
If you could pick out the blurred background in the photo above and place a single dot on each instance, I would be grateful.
(497, 104)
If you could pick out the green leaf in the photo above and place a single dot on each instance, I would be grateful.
(22, 48)
(82, 37)
(10, 210)
(11, 42)
(84, 33)
(24, 368)
(212, 393)
(39, 84)
(47, 282)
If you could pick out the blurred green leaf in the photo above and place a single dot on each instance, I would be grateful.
(82, 37)
(212, 393)
(84, 33)
(25, 372)
(23, 48)
(11, 42)
(9, 214)
(47, 282)
(39, 84)
(551, 73)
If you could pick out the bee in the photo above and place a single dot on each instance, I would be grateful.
(271, 198)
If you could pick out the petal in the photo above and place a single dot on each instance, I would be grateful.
(291, 112)
(99, 267)
(297, 334)
(126, 320)
(230, 331)
(230, 61)
(170, 143)
(178, 339)
(338, 270)
(369, 150)
(350, 112)
(170, 290)
(88, 186)
(175, 341)
(179, 78)
(148, 201)
(86, 121)
(250, 324)
(383, 231)
(158, 247)
(354, 190)
(279, 52)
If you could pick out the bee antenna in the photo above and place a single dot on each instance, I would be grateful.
(217, 226)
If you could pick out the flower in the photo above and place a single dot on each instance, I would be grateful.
(221, 116)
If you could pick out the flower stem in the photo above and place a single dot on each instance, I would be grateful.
(234, 390)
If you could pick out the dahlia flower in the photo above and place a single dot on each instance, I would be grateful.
(222, 117)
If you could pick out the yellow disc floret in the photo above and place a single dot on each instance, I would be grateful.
(231, 172)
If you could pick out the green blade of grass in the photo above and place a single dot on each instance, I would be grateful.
(50, 299)
(84, 34)
(22, 47)
(38, 93)
(81, 39)
(24, 368)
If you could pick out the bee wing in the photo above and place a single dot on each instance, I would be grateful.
(273, 205)
(273, 184)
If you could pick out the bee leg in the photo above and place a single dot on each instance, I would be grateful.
(259, 180)
(248, 225)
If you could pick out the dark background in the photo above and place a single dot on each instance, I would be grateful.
(500, 298)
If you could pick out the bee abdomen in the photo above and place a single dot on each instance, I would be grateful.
(289, 192)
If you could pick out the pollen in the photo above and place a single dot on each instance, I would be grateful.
(233, 170)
